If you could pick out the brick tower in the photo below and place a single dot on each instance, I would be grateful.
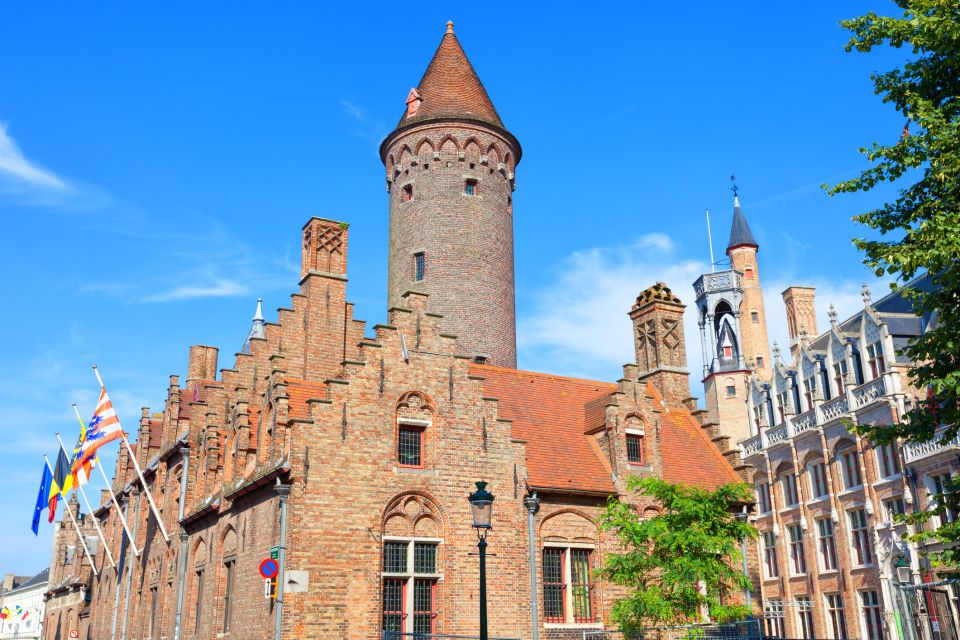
(742, 251)
(450, 175)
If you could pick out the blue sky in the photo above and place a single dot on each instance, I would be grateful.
(156, 164)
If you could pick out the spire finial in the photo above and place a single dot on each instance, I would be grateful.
(776, 350)
(832, 314)
(865, 294)
(259, 314)
(735, 189)
(449, 26)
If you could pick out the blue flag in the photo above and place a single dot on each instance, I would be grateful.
(42, 497)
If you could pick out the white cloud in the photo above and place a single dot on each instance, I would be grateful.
(217, 288)
(351, 110)
(578, 324)
(20, 173)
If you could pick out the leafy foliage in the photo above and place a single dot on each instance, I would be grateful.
(684, 560)
(919, 232)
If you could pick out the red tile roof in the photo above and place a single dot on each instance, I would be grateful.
(688, 454)
(552, 413)
(548, 412)
(450, 88)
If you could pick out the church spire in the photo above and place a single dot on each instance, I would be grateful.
(740, 234)
(258, 330)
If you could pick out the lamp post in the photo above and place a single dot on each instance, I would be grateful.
(481, 504)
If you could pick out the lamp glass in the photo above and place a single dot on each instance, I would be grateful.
(481, 504)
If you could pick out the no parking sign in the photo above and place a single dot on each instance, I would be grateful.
(269, 568)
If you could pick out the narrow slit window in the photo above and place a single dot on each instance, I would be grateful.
(419, 266)
(470, 188)
(406, 194)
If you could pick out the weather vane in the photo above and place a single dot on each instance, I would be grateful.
(735, 188)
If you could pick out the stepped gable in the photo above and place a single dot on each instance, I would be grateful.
(450, 88)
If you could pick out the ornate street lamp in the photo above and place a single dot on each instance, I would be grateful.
(481, 504)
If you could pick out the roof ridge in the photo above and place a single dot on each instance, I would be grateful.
(541, 374)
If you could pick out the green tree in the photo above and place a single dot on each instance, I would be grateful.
(919, 232)
(684, 560)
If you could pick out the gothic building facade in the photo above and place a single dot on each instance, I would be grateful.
(349, 453)
(827, 498)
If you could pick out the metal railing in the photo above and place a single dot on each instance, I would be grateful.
(743, 630)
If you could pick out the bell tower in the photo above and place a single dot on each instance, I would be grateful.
(450, 177)
(733, 331)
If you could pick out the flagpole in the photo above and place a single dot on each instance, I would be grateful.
(83, 543)
(136, 465)
(133, 543)
(106, 547)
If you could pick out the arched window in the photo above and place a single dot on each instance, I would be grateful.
(411, 567)
(199, 571)
(569, 542)
(228, 558)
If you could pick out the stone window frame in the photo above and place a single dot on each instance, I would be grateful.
(410, 577)
(570, 620)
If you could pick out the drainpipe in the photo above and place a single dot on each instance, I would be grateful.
(283, 491)
(744, 517)
(126, 596)
(532, 503)
(124, 562)
(182, 570)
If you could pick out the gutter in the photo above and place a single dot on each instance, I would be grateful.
(182, 570)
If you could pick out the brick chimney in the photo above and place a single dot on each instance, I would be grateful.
(659, 343)
(801, 316)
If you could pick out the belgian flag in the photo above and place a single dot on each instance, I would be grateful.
(62, 482)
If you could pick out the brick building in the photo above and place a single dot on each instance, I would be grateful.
(829, 547)
(353, 452)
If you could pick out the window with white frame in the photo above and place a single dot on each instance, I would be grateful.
(817, 472)
(788, 487)
(850, 465)
(872, 615)
(810, 390)
(783, 398)
(840, 374)
(805, 617)
(893, 507)
(410, 582)
(888, 460)
(635, 446)
(875, 359)
(770, 554)
(860, 537)
(826, 545)
(938, 485)
(763, 496)
(773, 618)
(835, 616)
(798, 562)
(567, 586)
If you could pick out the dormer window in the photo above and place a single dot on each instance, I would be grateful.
(635, 447)
(875, 359)
(470, 187)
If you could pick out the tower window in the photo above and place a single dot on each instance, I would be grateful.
(470, 188)
(759, 362)
(731, 391)
(728, 352)
(406, 194)
(754, 316)
(748, 273)
(419, 266)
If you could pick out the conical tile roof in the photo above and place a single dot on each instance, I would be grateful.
(740, 233)
(450, 88)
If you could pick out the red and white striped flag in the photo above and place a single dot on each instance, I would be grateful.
(104, 427)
